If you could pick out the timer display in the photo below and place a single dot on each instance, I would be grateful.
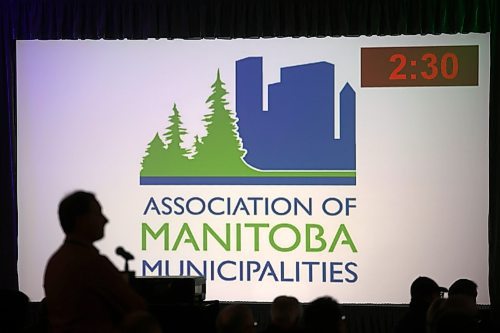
(419, 66)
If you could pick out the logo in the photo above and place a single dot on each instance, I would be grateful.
(293, 142)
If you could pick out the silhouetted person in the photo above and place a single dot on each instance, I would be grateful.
(13, 310)
(40, 323)
(141, 322)
(323, 315)
(423, 292)
(84, 290)
(467, 290)
(464, 287)
(286, 314)
(457, 314)
(235, 318)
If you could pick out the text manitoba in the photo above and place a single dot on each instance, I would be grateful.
(282, 237)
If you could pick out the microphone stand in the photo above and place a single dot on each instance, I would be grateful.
(128, 275)
(126, 266)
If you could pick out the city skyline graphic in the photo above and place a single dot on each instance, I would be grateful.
(297, 130)
(293, 142)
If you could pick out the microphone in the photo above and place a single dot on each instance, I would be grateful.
(123, 253)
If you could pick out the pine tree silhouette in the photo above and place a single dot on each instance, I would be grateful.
(221, 151)
(196, 146)
(175, 153)
(155, 160)
(174, 134)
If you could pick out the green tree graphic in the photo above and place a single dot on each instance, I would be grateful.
(218, 154)
(221, 150)
(196, 146)
(176, 154)
(155, 160)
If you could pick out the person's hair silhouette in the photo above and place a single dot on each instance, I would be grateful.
(464, 287)
(235, 318)
(324, 315)
(73, 206)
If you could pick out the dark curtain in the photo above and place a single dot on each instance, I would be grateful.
(8, 202)
(140, 19)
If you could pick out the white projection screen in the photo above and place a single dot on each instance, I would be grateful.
(299, 166)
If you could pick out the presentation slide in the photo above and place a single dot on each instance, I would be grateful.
(294, 166)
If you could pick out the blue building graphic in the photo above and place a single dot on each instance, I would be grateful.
(297, 130)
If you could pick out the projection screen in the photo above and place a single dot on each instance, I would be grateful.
(300, 166)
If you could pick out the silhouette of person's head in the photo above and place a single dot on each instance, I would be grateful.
(13, 310)
(457, 314)
(425, 290)
(323, 315)
(286, 312)
(81, 217)
(235, 318)
(464, 287)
